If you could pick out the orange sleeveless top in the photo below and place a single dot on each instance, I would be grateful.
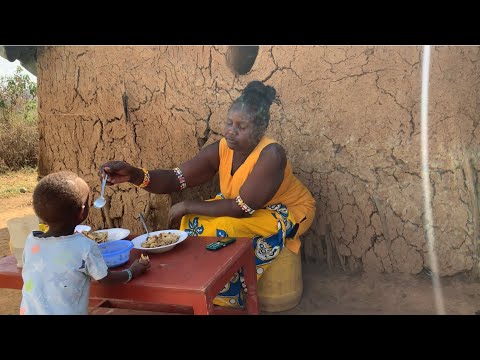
(292, 193)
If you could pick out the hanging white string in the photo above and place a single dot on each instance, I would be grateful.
(428, 219)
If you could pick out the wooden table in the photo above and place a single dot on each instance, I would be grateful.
(186, 277)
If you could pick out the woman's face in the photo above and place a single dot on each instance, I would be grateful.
(240, 131)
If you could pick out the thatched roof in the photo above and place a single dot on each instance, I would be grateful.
(27, 55)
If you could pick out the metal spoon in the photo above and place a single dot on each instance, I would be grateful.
(140, 216)
(100, 202)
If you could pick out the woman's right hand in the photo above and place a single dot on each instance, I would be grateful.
(118, 172)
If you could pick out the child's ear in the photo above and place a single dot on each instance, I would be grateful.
(82, 213)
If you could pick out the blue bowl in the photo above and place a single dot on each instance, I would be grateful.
(116, 253)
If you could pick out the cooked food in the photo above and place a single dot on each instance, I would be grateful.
(99, 237)
(160, 240)
(144, 259)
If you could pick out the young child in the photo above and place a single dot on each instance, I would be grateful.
(58, 265)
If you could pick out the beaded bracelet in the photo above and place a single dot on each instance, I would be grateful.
(130, 275)
(146, 179)
(181, 178)
(244, 206)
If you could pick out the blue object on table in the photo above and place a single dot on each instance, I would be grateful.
(116, 253)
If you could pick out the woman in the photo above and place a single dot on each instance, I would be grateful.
(259, 195)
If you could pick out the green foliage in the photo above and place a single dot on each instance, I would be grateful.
(18, 122)
(18, 98)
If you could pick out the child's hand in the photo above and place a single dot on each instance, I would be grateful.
(139, 267)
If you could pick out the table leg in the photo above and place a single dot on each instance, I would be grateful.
(250, 274)
(201, 305)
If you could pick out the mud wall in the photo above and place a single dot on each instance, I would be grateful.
(349, 118)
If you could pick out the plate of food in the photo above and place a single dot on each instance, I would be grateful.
(159, 241)
(105, 235)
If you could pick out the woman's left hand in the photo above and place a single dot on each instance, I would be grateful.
(176, 213)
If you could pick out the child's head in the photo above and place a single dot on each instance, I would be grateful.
(61, 198)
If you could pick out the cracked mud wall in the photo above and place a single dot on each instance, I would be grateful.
(347, 116)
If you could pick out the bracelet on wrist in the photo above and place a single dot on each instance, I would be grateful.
(146, 179)
(130, 275)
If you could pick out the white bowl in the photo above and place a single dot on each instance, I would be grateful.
(80, 228)
(137, 242)
(115, 233)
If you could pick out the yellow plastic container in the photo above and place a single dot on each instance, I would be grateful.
(19, 229)
(280, 288)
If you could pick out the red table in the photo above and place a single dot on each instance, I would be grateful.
(186, 277)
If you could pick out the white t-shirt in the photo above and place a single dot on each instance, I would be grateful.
(56, 274)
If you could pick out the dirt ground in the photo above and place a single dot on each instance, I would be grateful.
(11, 207)
(325, 292)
